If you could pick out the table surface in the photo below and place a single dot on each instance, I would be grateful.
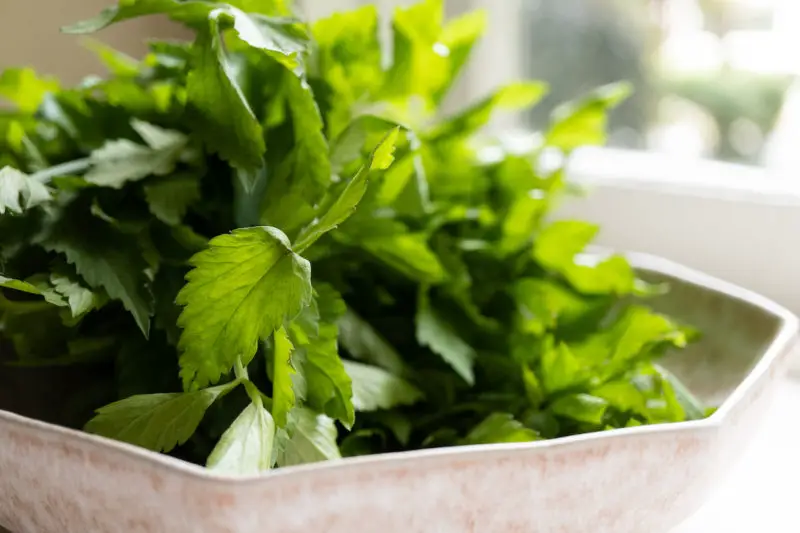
(761, 493)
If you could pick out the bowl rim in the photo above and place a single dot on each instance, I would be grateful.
(782, 341)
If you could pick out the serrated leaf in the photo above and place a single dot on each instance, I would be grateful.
(283, 397)
(309, 438)
(80, 299)
(171, 197)
(105, 258)
(120, 161)
(158, 422)
(247, 445)
(37, 285)
(560, 369)
(221, 116)
(19, 192)
(434, 332)
(241, 289)
(375, 388)
(500, 428)
(283, 39)
(345, 204)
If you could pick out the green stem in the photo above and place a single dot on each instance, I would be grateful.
(70, 167)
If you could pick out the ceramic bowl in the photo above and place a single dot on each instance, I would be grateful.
(643, 479)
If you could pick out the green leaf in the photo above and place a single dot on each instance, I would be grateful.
(171, 197)
(560, 369)
(283, 397)
(158, 422)
(375, 388)
(283, 39)
(309, 438)
(24, 88)
(329, 388)
(120, 161)
(345, 204)
(118, 63)
(247, 446)
(80, 299)
(305, 174)
(20, 192)
(37, 285)
(584, 122)
(691, 405)
(105, 258)
(242, 288)
(363, 342)
(581, 407)
(218, 110)
(192, 12)
(500, 428)
(558, 243)
(512, 97)
(558, 247)
(434, 332)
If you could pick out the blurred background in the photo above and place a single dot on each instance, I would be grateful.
(714, 78)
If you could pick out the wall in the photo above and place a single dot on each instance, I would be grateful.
(30, 36)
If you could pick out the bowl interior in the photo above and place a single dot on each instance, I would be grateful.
(734, 335)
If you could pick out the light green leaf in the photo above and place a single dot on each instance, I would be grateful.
(118, 63)
(558, 243)
(309, 438)
(347, 56)
(220, 113)
(24, 88)
(345, 204)
(434, 332)
(583, 122)
(246, 447)
(19, 192)
(120, 161)
(361, 341)
(158, 422)
(580, 407)
(512, 97)
(375, 388)
(560, 369)
(242, 288)
(171, 197)
(283, 397)
(500, 428)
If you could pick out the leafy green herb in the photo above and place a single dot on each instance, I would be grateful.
(288, 255)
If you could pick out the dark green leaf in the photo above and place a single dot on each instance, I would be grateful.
(434, 332)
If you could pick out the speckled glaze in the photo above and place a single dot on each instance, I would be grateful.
(644, 479)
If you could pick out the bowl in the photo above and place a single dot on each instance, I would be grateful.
(633, 480)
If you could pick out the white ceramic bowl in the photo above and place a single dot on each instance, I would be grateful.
(643, 479)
